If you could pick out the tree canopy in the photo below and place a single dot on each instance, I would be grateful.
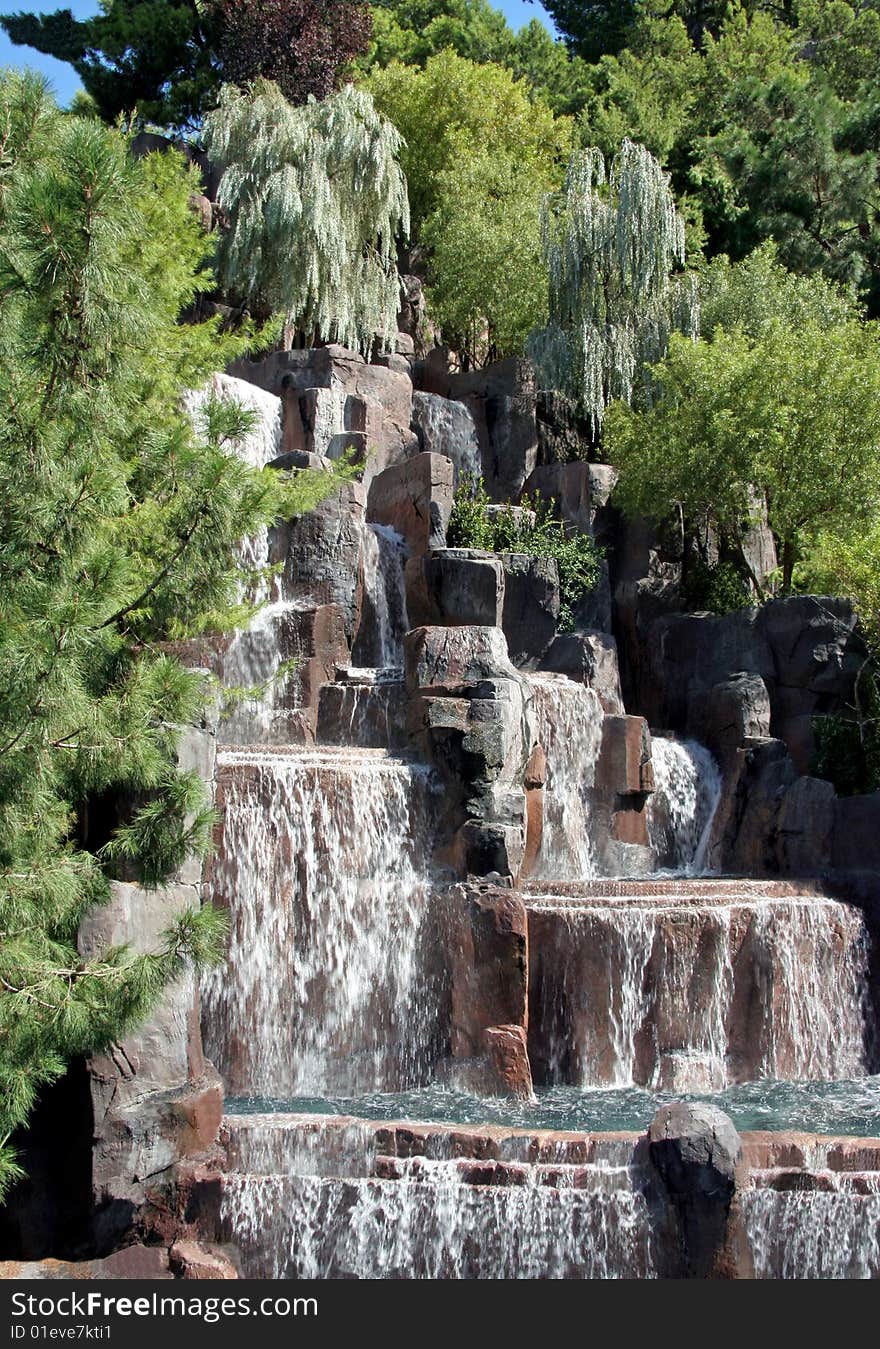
(611, 242)
(316, 200)
(793, 412)
(479, 155)
(165, 60)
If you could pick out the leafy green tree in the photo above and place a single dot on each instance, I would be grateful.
(454, 108)
(479, 156)
(412, 31)
(164, 61)
(794, 414)
(316, 199)
(773, 159)
(754, 294)
(488, 285)
(117, 532)
(612, 239)
(156, 56)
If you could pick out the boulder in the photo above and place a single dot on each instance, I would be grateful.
(462, 587)
(415, 499)
(510, 1071)
(501, 398)
(579, 490)
(531, 606)
(724, 716)
(132, 1262)
(440, 657)
(369, 401)
(702, 674)
(589, 658)
(805, 826)
(321, 554)
(191, 1260)
(444, 426)
(697, 1151)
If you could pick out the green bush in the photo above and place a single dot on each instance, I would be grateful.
(847, 748)
(577, 557)
(718, 589)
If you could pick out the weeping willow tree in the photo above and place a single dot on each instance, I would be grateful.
(315, 198)
(612, 240)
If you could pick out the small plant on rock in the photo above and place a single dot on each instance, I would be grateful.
(533, 529)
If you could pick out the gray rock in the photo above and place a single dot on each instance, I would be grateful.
(805, 826)
(729, 713)
(321, 554)
(591, 659)
(444, 656)
(696, 1151)
(463, 586)
(531, 606)
(446, 427)
(501, 398)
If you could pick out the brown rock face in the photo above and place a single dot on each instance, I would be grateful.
(415, 498)
(509, 1061)
(331, 395)
(190, 1260)
(490, 967)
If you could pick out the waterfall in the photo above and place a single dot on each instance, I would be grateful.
(689, 989)
(321, 864)
(567, 723)
(384, 621)
(813, 1235)
(431, 1223)
(687, 788)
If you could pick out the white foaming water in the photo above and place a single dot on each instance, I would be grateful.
(384, 622)
(255, 656)
(567, 723)
(812, 1235)
(683, 995)
(322, 866)
(681, 809)
(429, 1224)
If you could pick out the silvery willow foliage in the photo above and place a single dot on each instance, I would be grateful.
(611, 239)
(316, 200)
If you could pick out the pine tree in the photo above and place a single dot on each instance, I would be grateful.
(117, 532)
(316, 199)
(611, 241)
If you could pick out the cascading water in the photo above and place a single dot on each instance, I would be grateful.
(567, 723)
(384, 622)
(321, 864)
(368, 1217)
(691, 986)
(812, 1235)
(681, 809)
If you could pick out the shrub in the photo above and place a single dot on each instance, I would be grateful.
(577, 556)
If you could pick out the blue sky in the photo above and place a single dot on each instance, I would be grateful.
(65, 81)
